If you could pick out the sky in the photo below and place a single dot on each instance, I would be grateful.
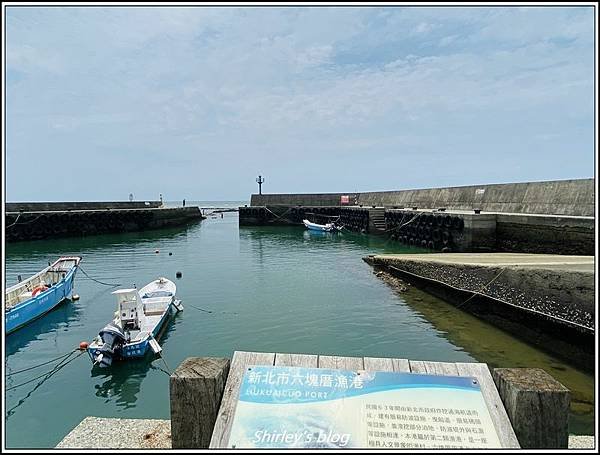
(196, 102)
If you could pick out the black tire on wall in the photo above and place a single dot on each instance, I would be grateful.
(458, 223)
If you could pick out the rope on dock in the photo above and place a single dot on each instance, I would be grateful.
(482, 289)
(497, 299)
(98, 281)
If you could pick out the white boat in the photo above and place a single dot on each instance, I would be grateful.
(138, 321)
(329, 227)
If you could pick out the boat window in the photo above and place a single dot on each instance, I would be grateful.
(149, 295)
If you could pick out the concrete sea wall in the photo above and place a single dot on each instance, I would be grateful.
(559, 197)
(531, 217)
(73, 223)
(65, 206)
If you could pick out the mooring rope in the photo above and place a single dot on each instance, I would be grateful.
(25, 222)
(50, 373)
(98, 281)
(481, 290)
(15, 222)
(275, 215)
(41, 364)
(208, 311)
(408, 222)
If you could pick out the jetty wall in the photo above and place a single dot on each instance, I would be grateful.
(558, 197)
(37, 225)
(530, 217)
(66, 206)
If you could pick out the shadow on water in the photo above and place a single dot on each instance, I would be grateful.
(300, 235)
(122, 381)
(59, 318)
(88, 244)
(498, 349)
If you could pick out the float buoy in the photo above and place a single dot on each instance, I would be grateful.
(178, 274)
(83, 345)
(75, 297)
(170, 254)
(37, 290)
(156, 251)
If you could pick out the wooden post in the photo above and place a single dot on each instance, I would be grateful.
(196, 389)
(537, 406)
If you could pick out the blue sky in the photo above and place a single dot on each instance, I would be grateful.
(195, 102)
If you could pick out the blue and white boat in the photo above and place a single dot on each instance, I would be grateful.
(139, 318)
(35, 296)
(329, 227)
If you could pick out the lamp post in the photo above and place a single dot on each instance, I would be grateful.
(260, 181)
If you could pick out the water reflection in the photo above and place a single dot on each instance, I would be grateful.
(122, 381)
(28, 250)
(60, 318)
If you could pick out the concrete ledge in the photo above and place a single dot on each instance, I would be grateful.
(110, 433)
(547, 300)
(582, 442)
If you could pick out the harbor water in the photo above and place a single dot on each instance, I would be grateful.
(272, 289)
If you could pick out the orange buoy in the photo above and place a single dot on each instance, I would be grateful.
(83, 345)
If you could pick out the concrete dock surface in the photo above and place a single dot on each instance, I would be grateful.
(521, 260)
(112, 433)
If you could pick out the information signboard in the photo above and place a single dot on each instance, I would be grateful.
(289, 407)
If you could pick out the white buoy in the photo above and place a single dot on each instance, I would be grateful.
(75, 297)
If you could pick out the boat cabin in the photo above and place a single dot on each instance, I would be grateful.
(130, 308)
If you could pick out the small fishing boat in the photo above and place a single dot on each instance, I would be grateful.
(139, 318)
(328, 227)
(37, 295)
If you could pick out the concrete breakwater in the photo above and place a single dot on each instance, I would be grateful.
(54, 220)
(547, 300)
(444, 230)
(558, 197)
(535, 217)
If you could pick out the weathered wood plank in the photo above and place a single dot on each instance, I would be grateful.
(378, 364)
(441, 368)
(196, 388)
(241, 361)
(502, 424)
(417, 366)
(296, 360)
(537, 406)
(401, 365)
(341, 363)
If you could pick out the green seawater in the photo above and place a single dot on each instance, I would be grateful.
(273, 289)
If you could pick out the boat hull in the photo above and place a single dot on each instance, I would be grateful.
(29, 310)
(139, 348)
(319, 227)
